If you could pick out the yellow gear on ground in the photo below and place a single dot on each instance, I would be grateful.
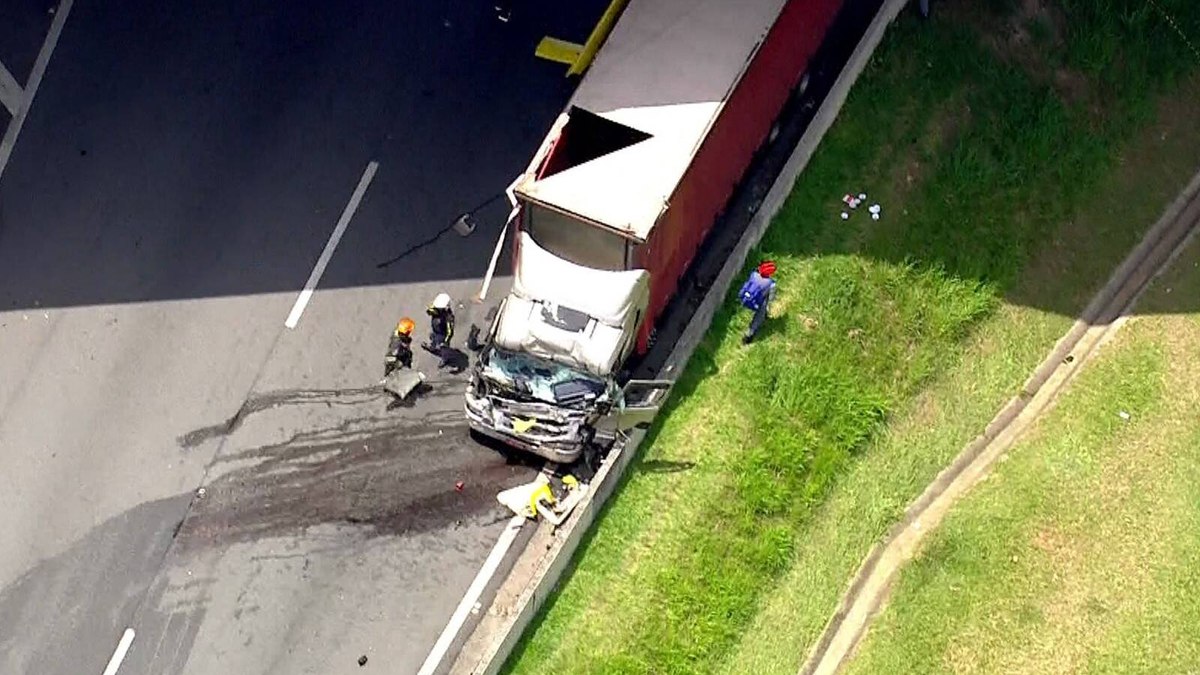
(542, 493)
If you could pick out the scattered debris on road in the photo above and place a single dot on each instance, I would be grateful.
(402, 383)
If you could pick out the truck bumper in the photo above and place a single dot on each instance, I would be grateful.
(547, 431)
(554, 453)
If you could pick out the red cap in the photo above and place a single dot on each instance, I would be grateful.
(766, 269)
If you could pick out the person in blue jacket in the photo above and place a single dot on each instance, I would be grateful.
(756, 295)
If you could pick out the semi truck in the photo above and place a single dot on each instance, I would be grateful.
(616, 203)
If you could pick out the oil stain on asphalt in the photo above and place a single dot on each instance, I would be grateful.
(385, 473)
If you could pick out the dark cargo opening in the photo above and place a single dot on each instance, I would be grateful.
(587, 136)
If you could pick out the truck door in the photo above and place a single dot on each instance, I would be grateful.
(639, 404)
(492, 319)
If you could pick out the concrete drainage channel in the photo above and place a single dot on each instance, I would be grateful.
(528, 562)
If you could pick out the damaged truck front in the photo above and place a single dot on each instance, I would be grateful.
(547, 377)
(617, 202)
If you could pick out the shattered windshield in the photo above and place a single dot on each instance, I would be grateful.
(540, 378)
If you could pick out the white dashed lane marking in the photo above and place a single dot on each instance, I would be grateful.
(319, 268)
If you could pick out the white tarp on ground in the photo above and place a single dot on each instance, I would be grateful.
(545, 284)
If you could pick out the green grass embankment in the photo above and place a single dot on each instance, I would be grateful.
(1018, 155)
(1081, 552)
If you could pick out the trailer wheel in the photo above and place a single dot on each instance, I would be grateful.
(774, 133)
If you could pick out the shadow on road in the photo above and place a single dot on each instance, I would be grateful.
(112, 566)
(199, 150)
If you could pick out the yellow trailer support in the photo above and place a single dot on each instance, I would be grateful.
(580, 56)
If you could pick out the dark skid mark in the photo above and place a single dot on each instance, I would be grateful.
(360, 430)
(272, 399)
(388, 475)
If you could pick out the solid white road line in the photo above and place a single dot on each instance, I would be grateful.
(319, 269)
(118, 656)
(11, 93)
(35, 80)
(442, 646)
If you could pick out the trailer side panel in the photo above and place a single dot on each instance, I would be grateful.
(726, 152)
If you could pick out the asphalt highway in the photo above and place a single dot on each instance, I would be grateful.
(175, 459)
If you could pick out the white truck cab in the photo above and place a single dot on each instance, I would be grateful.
(545, 379)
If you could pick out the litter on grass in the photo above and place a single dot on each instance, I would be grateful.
(852, 202)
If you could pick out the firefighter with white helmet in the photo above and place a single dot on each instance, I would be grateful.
(441, 324)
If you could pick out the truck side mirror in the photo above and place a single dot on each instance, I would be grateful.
(464, 225)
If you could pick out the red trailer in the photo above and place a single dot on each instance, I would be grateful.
(636, 170)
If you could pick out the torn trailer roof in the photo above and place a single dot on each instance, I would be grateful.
(644, 108)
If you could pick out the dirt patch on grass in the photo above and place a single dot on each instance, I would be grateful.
(941, 133)
(1092, 566)
(1032, 36)
(1146, 176)
(1058, 547)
